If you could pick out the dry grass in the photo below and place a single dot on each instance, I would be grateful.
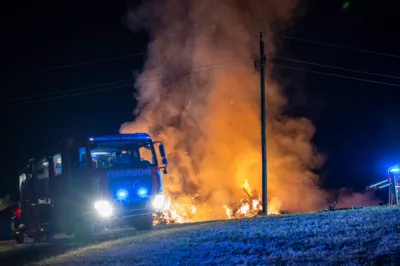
(370, 235)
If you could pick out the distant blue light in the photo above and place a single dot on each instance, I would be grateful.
(122, 194)
(142, 192)
(395, 170)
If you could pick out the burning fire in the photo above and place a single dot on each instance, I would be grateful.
(207, 114)
(248, 206)
(174, 214)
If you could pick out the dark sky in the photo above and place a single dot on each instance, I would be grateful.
(356, 121)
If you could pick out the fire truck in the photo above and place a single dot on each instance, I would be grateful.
(83, 186)
(392, 183)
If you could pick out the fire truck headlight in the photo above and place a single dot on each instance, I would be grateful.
(104, 208)
(159, 202)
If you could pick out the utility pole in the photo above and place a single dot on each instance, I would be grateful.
(263, 130)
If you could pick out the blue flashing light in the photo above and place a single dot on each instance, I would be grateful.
(122, 194)
(135, 136)
(142, 192)
(140, 136)
(395, 170)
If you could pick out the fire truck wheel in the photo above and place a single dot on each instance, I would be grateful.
(143, 223)
(20, 238)
(84, 231)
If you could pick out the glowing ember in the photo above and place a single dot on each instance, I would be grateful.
(228, 211)
(249, 206)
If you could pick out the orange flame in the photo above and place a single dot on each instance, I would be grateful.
(251, 206)
(174, 213)
(247, 187)
(247, 207)
(206, 111)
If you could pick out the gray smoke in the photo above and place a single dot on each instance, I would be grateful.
(199, 94)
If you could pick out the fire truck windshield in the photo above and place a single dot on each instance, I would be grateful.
(123, 154)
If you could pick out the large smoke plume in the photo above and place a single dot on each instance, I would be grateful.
(200, 94)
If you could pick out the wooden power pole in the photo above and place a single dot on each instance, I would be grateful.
(263, 130)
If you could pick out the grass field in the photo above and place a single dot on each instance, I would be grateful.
(369, 235)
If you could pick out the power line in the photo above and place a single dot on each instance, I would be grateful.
(219, 63)
(83, 90)
(107, 88)
(212, 40)
(335, 46)
(340, 76)
(196, 67)
(190, 73)
(208, 65)
(119, 57)
(335, 67)
(70, 90)
(278, 65)
(109, 83)
(230, 38)
(81, 63)
(66, 96)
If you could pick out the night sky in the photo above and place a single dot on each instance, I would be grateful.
(356, 121)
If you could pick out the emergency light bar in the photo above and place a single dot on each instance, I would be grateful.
(135, 136)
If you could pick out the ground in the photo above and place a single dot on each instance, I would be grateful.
(369, 235)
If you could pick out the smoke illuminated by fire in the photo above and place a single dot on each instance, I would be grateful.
(199, 94)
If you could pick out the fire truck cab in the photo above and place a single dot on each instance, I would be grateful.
(83, 186)
(394, 187)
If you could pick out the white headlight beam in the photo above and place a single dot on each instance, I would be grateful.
(104, 208)
(159, 202)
